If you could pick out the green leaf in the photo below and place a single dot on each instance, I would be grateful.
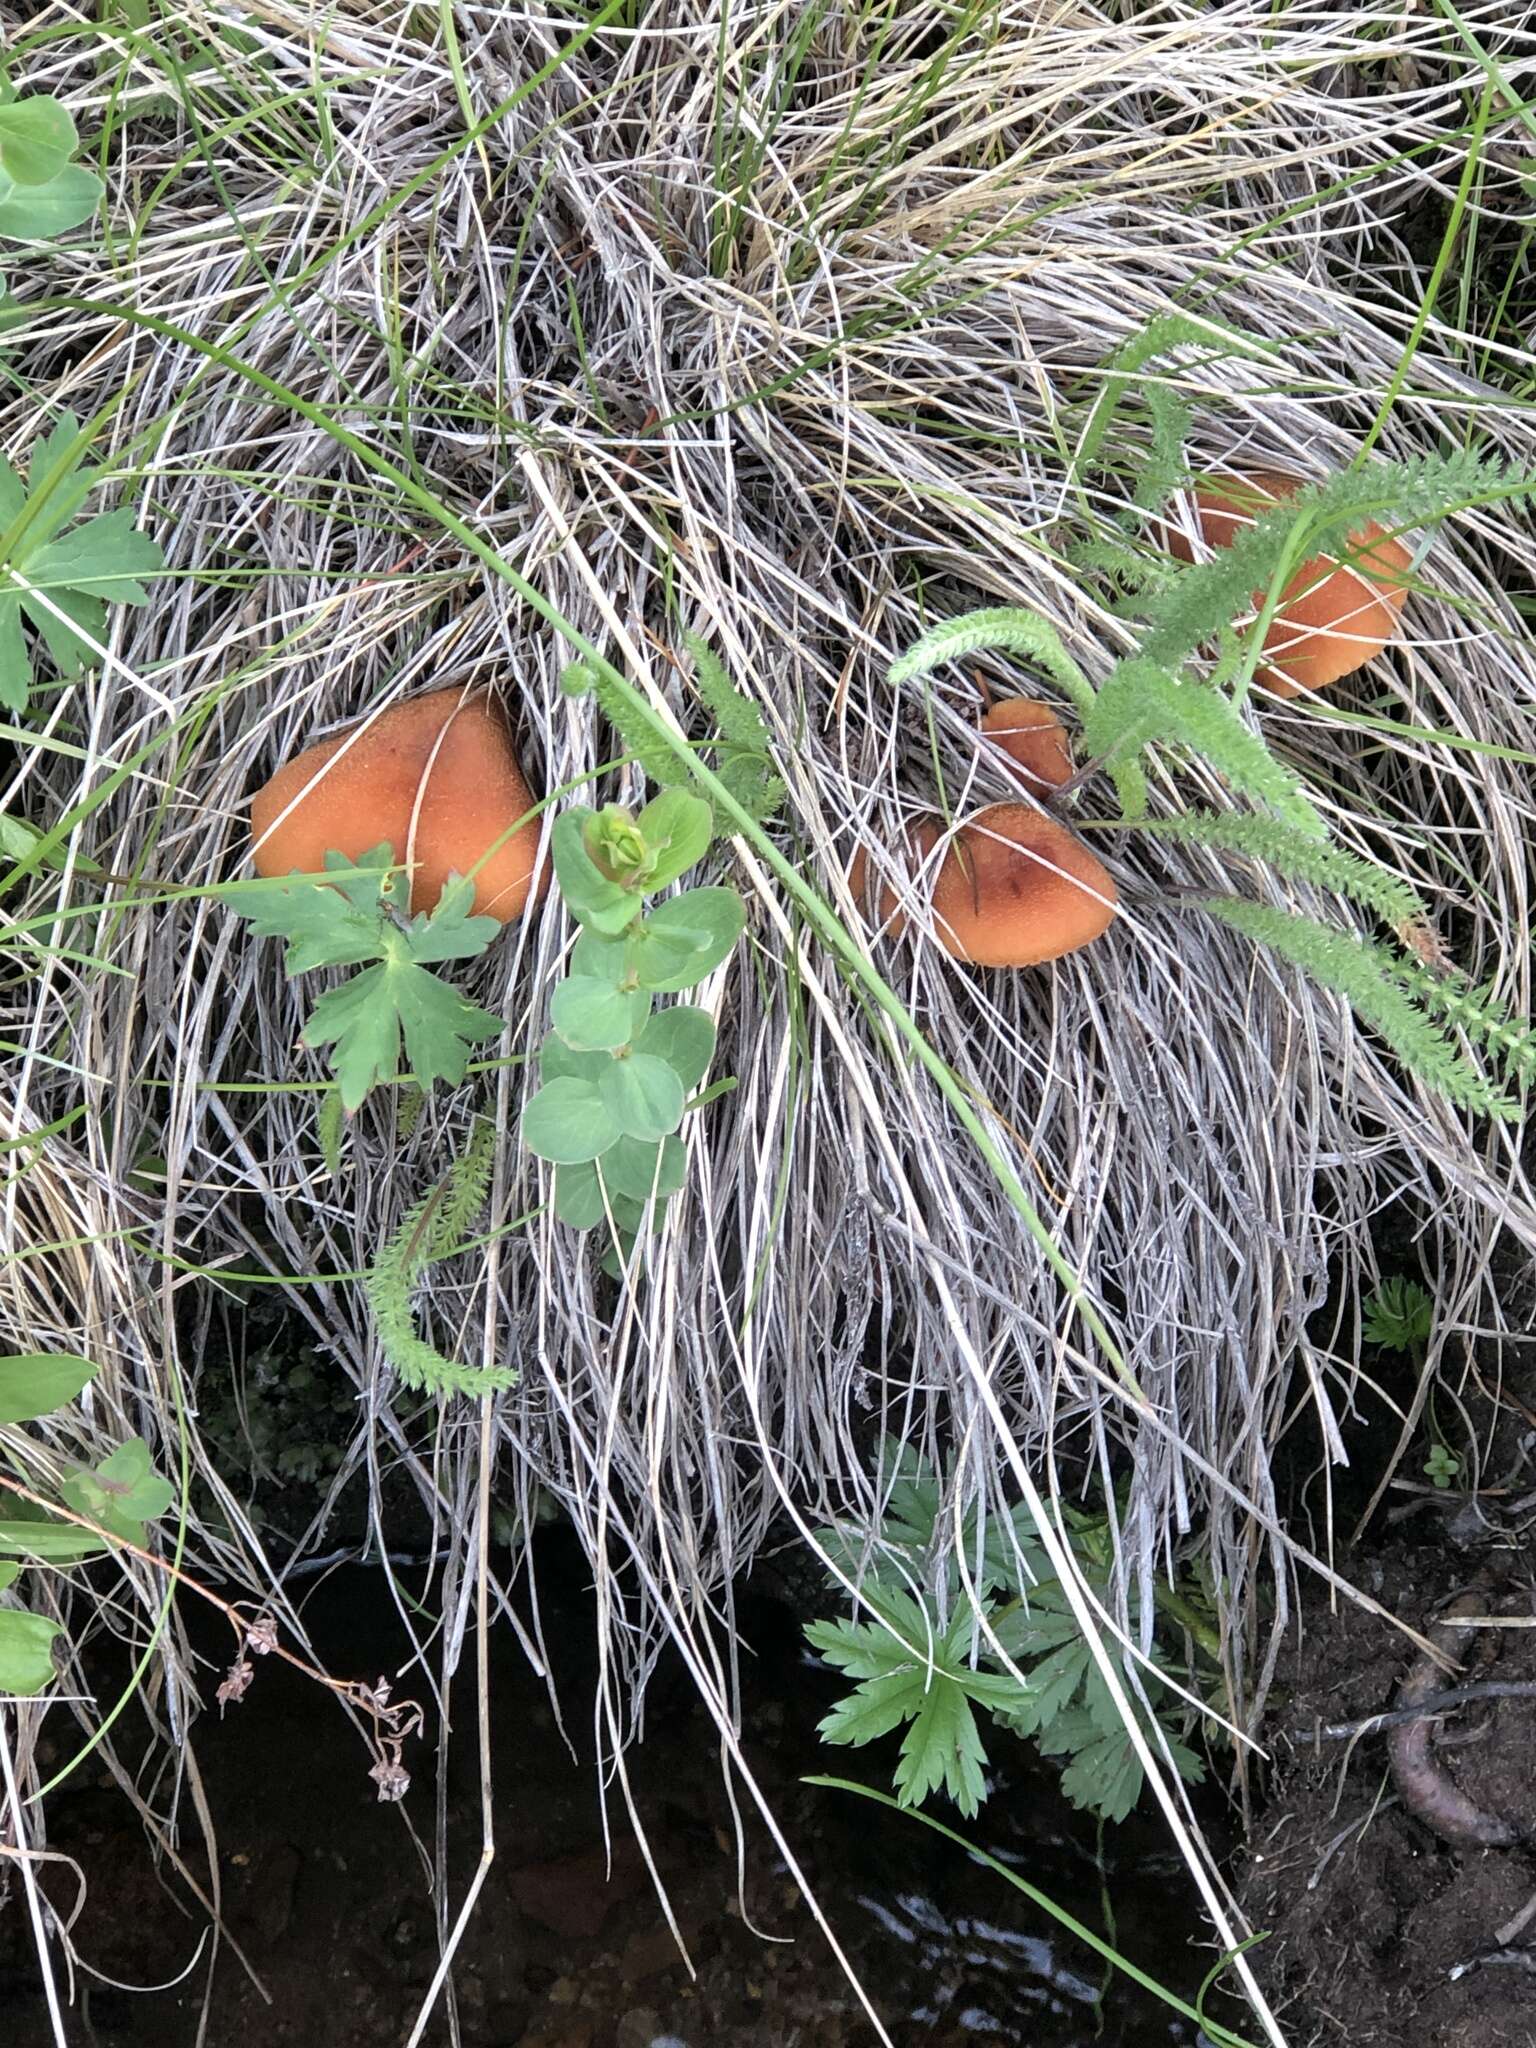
(570, 1120)
(347, 919)
(684, 1037)
(557, 1061)
(630, 1167)
(101, 562)
(643, 1097)
(579, 1195)
(26, 1653)
(588, 894)
(37, 139)
(1141, 702)
(38, 1382)
(52, 1542)
(37, 213)
(8, 1576)
(122, 1493)
(592, 1016)
(676, 829)
(1006, 629)
(604, 959)
(685, 938)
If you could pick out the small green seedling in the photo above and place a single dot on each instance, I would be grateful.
(120, 1495)
(351, 916)
(61, 581)
(618, 1073)
(1399, 1316)
(1442, 1468)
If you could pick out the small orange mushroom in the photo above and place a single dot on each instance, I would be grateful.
(436, 776)
(1333, 617)
(1013, 889)
(1034, 739)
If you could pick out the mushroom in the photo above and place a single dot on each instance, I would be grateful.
(1034, 739)
(436, 776)
(1333, 617)
(1014, 888)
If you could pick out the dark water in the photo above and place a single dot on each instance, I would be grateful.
(330, 1903)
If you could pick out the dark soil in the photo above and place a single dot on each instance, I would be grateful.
(329, 1900)
(1380, 1932)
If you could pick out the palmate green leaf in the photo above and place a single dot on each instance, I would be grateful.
(104, 561)
(346, 920)
(26, 1653)
(38, 1382)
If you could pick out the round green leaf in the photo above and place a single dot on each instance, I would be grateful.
(26, 1652)
(579, 1195)
(631, 1217)
(683, 938)
(559, 1061)
(677, 829)
(630, 1168)
(37, 139)
(593, 1016)
(40, 1382)
(36, 213)
(570, 1120)
(684, 1037)
(643, 1097)
(604, 959)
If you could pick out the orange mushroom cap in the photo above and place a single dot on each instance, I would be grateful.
(436, 776)
(1333, 617)
(1013, 889)
(1034, 739)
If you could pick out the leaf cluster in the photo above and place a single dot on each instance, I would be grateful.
(616, 1072)
(350, 917)
(1398, 1316)
(932, 1653)
(120, 1495)
(58, 577)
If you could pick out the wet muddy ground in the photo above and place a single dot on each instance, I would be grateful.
(329, 1899)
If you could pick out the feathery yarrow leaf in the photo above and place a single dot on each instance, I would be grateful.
(1297, 855)
(1371, 980)
(431, 1231)
(1001, 629)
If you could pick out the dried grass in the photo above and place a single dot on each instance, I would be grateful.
(870, 306)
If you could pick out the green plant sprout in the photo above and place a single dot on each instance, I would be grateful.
(1399, 1316)
(62, 582)
(120, 1495)
(925, 1662)
(43, 192)
(616, 1077)
(617, 1073)
(350, 916)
